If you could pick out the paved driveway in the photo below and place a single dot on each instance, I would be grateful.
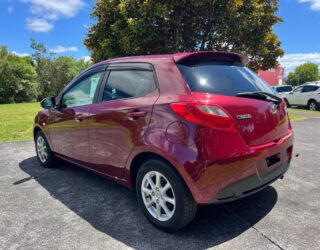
(70, 208)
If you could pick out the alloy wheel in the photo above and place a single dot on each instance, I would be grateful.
(42, 149)
(158, 196)
(313, 106)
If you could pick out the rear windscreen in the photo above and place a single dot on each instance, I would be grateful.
(222, 79)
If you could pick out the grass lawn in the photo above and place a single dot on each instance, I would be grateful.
(16, 121)
(296, 117)
(305, 111)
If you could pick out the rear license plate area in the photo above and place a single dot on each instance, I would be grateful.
(273, 159)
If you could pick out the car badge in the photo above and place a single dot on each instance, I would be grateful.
(242, 117)
(273, 108)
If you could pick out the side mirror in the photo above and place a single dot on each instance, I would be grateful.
(291, 92)
(48, 102)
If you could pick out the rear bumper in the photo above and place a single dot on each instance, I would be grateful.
(228, 179)
(249, 185)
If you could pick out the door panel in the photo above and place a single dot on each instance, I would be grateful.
(68, 125)
(115, 128)
(118, 123)
(294, 98)
(68, 131)
(303, 99)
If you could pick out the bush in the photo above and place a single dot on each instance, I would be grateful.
(27, 79)
(17, 78)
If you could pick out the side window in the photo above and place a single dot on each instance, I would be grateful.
(306, 89)
(310, 88)
(82, 93)
(315, 88)
(298, 90)
(124, 84)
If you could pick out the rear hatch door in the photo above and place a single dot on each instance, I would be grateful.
(254, 120)
(259, 119)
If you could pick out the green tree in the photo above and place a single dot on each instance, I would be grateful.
(135, 27)
(54, 73)
(306, 72)
(43, 63)
(17, 78)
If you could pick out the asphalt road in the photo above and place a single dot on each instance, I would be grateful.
(70, 208)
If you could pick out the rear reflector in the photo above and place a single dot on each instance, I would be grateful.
(204, 114)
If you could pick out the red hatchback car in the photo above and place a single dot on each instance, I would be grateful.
(182, 130)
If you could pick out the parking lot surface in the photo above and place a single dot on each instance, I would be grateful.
(70, 208)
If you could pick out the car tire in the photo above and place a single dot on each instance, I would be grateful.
(313, 106)
(45, 156)
(287, 103)
(166, 202)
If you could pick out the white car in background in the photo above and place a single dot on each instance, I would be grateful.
(283, 89)
(306, 95)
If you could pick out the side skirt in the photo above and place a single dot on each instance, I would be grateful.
(121, 181)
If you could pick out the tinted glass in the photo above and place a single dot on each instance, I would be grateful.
(128, 83)
(82, 93)
(284, 89)
(310, 88)
(298, 90)
(222, 79)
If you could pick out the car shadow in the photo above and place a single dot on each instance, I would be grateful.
(113, 210)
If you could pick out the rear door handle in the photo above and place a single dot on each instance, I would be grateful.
(80, 117)
(137, 114)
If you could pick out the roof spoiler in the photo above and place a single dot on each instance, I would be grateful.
(211, 55)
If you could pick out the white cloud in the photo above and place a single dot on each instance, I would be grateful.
(61, 49)
(291, 61)
(10, 9)
(315, 4)
(19, 54)
(52, 10)
(39, 25)
(86, 58)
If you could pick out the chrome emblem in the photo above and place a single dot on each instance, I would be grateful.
(242, 117)
(273, 108)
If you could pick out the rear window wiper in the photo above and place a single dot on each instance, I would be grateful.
(261, 96)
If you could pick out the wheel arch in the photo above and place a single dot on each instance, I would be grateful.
(311, 100)
(142, 157)
(139, 159)
(38, 128)
(35, 131)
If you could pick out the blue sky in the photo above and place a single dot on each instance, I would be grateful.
(61, 26)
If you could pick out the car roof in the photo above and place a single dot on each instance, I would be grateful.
(317, 83)
(179, 58)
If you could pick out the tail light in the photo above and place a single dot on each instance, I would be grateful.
(204, 114)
